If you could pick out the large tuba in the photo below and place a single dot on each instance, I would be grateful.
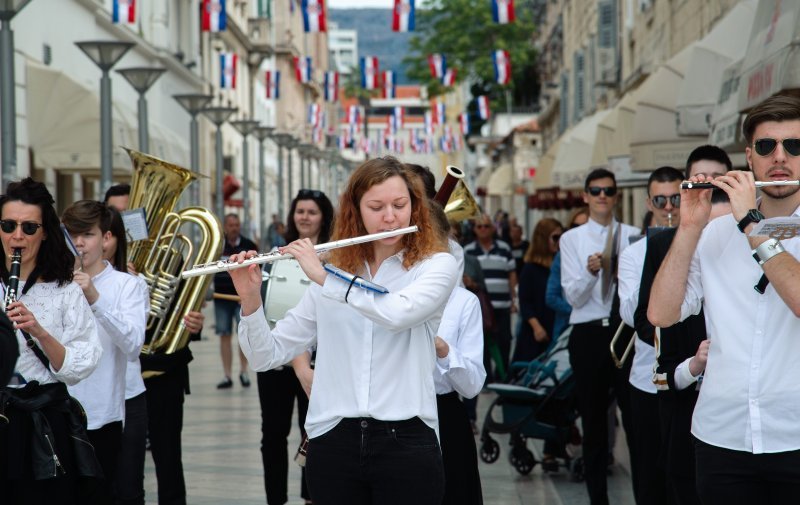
(157, 186)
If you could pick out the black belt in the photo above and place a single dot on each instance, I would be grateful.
(369, 423)
(604, 322)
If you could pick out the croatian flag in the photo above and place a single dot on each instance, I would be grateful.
(313, 15)
(273, 84)
(314, 115)
(502, 66)
(403, 16)
(316, 135)
(458, 143)
(391, 125)
(428, 123)
(353, 116)
(503, 11)
(302, 68)
(124, 11)
(399, 117)
(449, 78)
(444, 144)
(439, 116)
(331, 86)
(213, 16)
(369, 72)
(227, 72)
(389, 86)
(463, 121)
(483, 107)
(438, 65)
(383, 139)
(342, 141)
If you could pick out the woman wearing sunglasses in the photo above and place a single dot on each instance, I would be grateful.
(58, 346)
(372, 417)
(310, 217)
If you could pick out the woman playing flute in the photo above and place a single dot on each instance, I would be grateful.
(372, 420)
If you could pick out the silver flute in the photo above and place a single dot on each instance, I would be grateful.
(227, 265)
(759, 184)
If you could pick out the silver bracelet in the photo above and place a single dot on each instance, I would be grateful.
(767, 250)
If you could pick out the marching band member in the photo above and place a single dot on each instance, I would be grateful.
(44, 466)
(372, 417)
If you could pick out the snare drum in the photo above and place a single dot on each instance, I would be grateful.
(286, 286)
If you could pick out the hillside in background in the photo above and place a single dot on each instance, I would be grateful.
(375, 37)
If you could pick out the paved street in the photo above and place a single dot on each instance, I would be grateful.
(222, 460)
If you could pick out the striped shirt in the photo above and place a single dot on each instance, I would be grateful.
(497, 264)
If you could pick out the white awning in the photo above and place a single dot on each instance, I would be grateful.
(614, 133)
(544, 175)
(483, 178)
(501, 183)
(574, 156)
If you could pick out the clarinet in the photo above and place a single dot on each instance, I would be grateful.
(13, 278)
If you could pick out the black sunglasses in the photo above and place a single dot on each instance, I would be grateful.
(596, 190)
(28, 227)
(764, 147)
(313, 193)
(660, 201)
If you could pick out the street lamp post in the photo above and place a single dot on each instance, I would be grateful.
(218, 116)
(289, 146)
(245, 127)
(261, 133)
(105, 54)
(8, 104)
(283, 140)
(193, 103)
(305, 149)
(142, 78)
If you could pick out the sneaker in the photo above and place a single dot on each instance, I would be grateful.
(225, 384)
(244, 379)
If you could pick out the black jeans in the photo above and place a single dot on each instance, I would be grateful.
(106, 441)
(165, 396)
(369, 462)
(737, 477)
(129, 485)
(651, 487)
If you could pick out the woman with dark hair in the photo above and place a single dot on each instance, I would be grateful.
(116, 249)
(58, 346)
(310, 217)
(372, 417)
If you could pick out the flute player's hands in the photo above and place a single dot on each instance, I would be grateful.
(247, 282)
(303, 251)
(695, 205)
(741, 189)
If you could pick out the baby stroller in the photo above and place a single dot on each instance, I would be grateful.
(539, 404)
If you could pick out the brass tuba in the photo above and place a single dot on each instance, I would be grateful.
(455, 198)
(157, 186)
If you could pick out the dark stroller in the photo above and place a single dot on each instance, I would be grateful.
(539, 404)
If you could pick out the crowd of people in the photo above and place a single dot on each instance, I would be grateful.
(389, 342)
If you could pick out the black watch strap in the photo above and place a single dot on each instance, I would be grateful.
(752, 216)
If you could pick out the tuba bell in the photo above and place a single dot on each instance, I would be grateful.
(455, 198)
(169, 250)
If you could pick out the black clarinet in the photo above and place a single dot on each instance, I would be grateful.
(13, 278)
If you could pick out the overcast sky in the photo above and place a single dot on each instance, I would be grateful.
(346, 4)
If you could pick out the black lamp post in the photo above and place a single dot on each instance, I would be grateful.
(218, 116)
(142, 78)
(245, 127)
(261, 133)
(193, 103)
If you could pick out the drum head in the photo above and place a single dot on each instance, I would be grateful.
(287, 284)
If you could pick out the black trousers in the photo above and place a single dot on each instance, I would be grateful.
(651, 484)
(737, 477)
(277, 390)
(165, 396)
(106, 441)
(595, 380)
(363, 461)
(129, 482)
(459, 454)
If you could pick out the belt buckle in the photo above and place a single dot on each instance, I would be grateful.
(604, 322)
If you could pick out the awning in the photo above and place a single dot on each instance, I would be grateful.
(613, 139)
(654, 140)
(726, 121)
(772, 63)
(544, 175)
(574, 156)
(482, 181)
(501, 183)
(724, 44)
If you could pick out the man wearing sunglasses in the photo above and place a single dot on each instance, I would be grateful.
(746, 417)
(593, 326)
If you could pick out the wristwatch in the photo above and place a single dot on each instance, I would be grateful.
(752, 216)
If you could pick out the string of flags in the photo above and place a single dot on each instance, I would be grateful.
(369, 72)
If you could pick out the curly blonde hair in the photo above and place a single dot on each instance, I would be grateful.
(349, 223)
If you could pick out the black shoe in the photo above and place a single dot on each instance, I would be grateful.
(225, 384)
(244, 379)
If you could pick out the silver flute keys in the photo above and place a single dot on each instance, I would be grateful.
(759, 184)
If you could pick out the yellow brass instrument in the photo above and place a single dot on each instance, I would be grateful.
(620, 360)
(455, 198)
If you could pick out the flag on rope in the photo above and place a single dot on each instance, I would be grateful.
(227, 74)
(403, 16)
(502, 66)
(389, 87)
(123, 11)
(428, 122)
(399, 117)
(503, 11)
(463, 121)
(272, 82)
(315, 115)
(331, 86)
(213, 16)
(438, 65)
(439, 113)
(313, 16)
(354, 116)
(369, 72)
(449, 78)
(302, 68)
(483, 107)
(316, 135)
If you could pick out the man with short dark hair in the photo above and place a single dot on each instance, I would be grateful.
(745, 420)
(118, 196)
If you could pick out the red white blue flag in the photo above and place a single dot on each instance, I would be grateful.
(213, 16)
(314, 16)
(428, 123)
(438, 65)
(315, 115)
(483, 107)
(463, 121)
(123, 11)
(439, 113)
(502, 66)
(272, 81)
(403, 16)
(331, 87)
(227, 74)
(389, 86)
(449, 78)
(503, 11)
(316, 135)
(399, 117)
(369, 72)
(302, 68)
(353, 116)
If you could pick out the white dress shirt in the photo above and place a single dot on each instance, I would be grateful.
(375, 352)
(458, 253)
(134, 383)
(64, 313)
(582, 289)
(121, 315)
(750, 399)
(631, 262)
(462, 369)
